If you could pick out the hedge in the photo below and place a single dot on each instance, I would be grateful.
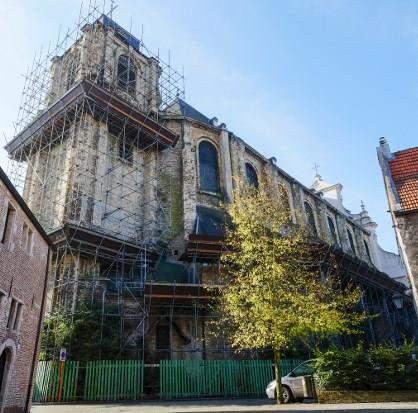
(379, 368)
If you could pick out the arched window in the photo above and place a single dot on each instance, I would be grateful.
(351, 241)
(208, 167)
(332, 230)
(366, 247)
(251, 174)
(311, 219)
(126, 74)
(284, 198)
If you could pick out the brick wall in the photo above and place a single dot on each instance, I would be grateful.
(22, 276)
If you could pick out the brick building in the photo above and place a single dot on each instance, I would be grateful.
(400, 176)
(24, 257)
(129, 180)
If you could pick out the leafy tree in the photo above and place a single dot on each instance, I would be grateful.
(82, 333)
(280, 285)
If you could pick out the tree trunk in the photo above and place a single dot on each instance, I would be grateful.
(278, 376)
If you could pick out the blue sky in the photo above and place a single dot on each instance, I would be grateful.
(304, 81)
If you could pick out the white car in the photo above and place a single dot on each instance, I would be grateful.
(292, 383)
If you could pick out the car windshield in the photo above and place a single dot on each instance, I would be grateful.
(304, 369)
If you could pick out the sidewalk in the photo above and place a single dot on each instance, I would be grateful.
(213, 406)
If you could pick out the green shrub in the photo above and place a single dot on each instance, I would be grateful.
(380, 368)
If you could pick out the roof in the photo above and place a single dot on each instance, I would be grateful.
(189, 111)
(23, 205)
(404, 170)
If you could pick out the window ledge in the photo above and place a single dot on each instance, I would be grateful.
(216, 194)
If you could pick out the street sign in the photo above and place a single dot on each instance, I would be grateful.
(63, 354)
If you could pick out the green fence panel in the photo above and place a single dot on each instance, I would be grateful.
(47, 381)
(113, 380)
(220, 378)
(210, 378)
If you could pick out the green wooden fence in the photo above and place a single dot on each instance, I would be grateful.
(95, 381)
(114, 380)
(47, 381)
(221, 378)
(124, 379)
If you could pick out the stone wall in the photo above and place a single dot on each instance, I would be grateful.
(232, 160)
(407, 226)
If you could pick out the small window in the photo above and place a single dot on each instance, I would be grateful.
(11, 321)
(29, 242)
(126, 150)
(332, 230)
(351, 241)
(25, 230)
(208, 167)
(310, 217)
(126, 74)
(251, 174)
(366, 247)
(8, 224)
(18, 316)
(2, 297)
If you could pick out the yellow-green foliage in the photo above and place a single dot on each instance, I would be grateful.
(278, 285)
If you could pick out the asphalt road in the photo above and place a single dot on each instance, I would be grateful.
(247, 406)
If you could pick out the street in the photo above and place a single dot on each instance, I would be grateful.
(247, 406)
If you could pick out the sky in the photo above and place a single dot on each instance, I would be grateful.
(309, 82)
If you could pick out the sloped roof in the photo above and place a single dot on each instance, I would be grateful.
(404, 171)
(189, 111)
(23, 205)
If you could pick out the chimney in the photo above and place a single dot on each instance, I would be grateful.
(384, 147)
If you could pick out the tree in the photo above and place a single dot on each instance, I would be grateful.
(279, 284)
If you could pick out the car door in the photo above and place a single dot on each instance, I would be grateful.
(296, 377)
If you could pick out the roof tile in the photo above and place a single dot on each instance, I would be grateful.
(404, 170)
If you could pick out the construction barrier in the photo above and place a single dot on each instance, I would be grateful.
(102, 380)
(51, 385)
(114, 380)
(118, 380)
(217, 378)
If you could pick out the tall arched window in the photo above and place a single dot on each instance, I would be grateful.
(332, 230)
(351, 241)
(208, 167)
(284, 198)
(366, 247)
(126, 74)
(251, 174)
(311, 219)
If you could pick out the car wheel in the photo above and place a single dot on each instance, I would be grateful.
(287, 395)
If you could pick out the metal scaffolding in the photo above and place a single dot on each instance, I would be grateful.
(95, 160)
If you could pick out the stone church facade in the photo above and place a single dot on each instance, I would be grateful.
(131, 193)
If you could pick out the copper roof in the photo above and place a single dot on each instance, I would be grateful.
(404, 170)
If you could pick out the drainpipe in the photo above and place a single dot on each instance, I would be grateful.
(38, 334)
